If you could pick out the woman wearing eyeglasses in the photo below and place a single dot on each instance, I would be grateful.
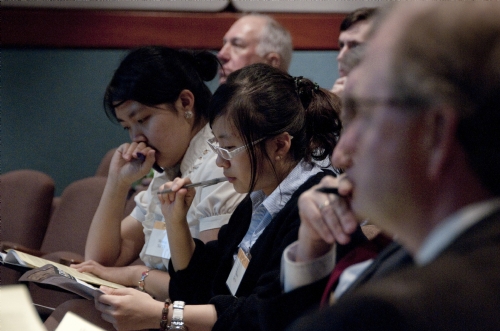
(268, 129)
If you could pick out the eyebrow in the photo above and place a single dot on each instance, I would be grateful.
(132, 114)
(234, 39)
(223, 136)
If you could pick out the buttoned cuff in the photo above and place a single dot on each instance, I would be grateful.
(296, 274)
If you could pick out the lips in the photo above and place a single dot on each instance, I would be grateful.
(223, 73)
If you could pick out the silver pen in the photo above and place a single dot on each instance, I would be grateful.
(202, 184)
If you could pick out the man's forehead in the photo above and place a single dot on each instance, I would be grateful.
(245, 28)
(371, 77)
(357, 32)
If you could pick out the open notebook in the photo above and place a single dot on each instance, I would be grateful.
(47, 272)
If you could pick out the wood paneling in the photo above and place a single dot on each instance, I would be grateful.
(75, 28)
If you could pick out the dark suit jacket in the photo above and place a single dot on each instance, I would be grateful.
(459, 290)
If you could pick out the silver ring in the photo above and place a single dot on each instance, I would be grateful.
(324, 204)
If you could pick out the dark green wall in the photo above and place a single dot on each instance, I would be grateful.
(51, 115)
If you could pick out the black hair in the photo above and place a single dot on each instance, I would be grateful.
(360, 14)
(155, 75)
(262, 102)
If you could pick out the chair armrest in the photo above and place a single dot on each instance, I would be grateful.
(5, 245)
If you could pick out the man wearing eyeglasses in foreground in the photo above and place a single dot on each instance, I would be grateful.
(421, 119)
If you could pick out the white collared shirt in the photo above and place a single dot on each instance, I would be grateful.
(211, 208)
(295, 274)
(275, 201)
(452, 227)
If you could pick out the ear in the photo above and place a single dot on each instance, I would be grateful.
(273, 59)
(442, 123)
(279, 146)
(185, 101)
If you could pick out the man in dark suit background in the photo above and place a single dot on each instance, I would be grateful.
(422, 118)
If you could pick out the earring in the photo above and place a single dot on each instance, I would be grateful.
(188, 114)
(278, 158)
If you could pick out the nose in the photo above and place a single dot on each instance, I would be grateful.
(342, 53)
(137, 135)
(223, 54)
(341, 158)
(346, 147)
(222, 163)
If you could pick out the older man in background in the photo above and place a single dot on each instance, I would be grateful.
(255, 38)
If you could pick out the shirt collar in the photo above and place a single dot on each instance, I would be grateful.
(452, 227)
(280, 196)
(193, 157)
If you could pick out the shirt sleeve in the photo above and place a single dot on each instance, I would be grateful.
(297, 274)
(213, 205)
(145, 198)
(141, 204)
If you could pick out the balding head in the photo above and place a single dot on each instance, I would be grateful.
(255, 38)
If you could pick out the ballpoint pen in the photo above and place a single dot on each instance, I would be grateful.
(202, 184)
(329, 190)
(156, 167)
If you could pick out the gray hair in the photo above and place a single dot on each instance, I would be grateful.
(275, 38)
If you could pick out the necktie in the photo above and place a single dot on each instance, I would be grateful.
(393, 257)
(367, 250)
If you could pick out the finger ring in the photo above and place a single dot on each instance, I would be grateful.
(324, 204)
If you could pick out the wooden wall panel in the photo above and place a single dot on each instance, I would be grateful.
(77, 28)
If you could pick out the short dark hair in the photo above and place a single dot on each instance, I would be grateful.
(155, 75)
(360, 14)
(262, 101)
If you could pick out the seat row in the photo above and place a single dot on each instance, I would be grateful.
(33, 220)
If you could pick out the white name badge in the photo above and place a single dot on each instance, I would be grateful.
(158, 242)
(236, 274)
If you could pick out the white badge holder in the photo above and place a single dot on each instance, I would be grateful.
(236, 275)
(158, 242)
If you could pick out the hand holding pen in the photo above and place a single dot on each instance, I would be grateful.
(175, 203)
(199, 184)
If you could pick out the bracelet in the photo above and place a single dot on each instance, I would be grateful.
(164, 316)
(143, 278)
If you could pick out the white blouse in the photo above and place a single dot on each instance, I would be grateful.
(211, 208)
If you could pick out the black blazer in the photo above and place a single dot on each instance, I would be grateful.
(459, 290)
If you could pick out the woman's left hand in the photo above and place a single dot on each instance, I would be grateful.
(127, 276)
(129, 309)
(175, 205)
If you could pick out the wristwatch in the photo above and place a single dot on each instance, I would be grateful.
(177, 316)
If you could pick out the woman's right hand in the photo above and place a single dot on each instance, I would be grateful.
(131, 162)
(175, 205)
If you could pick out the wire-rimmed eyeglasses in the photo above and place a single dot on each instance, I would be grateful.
(226, 154)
